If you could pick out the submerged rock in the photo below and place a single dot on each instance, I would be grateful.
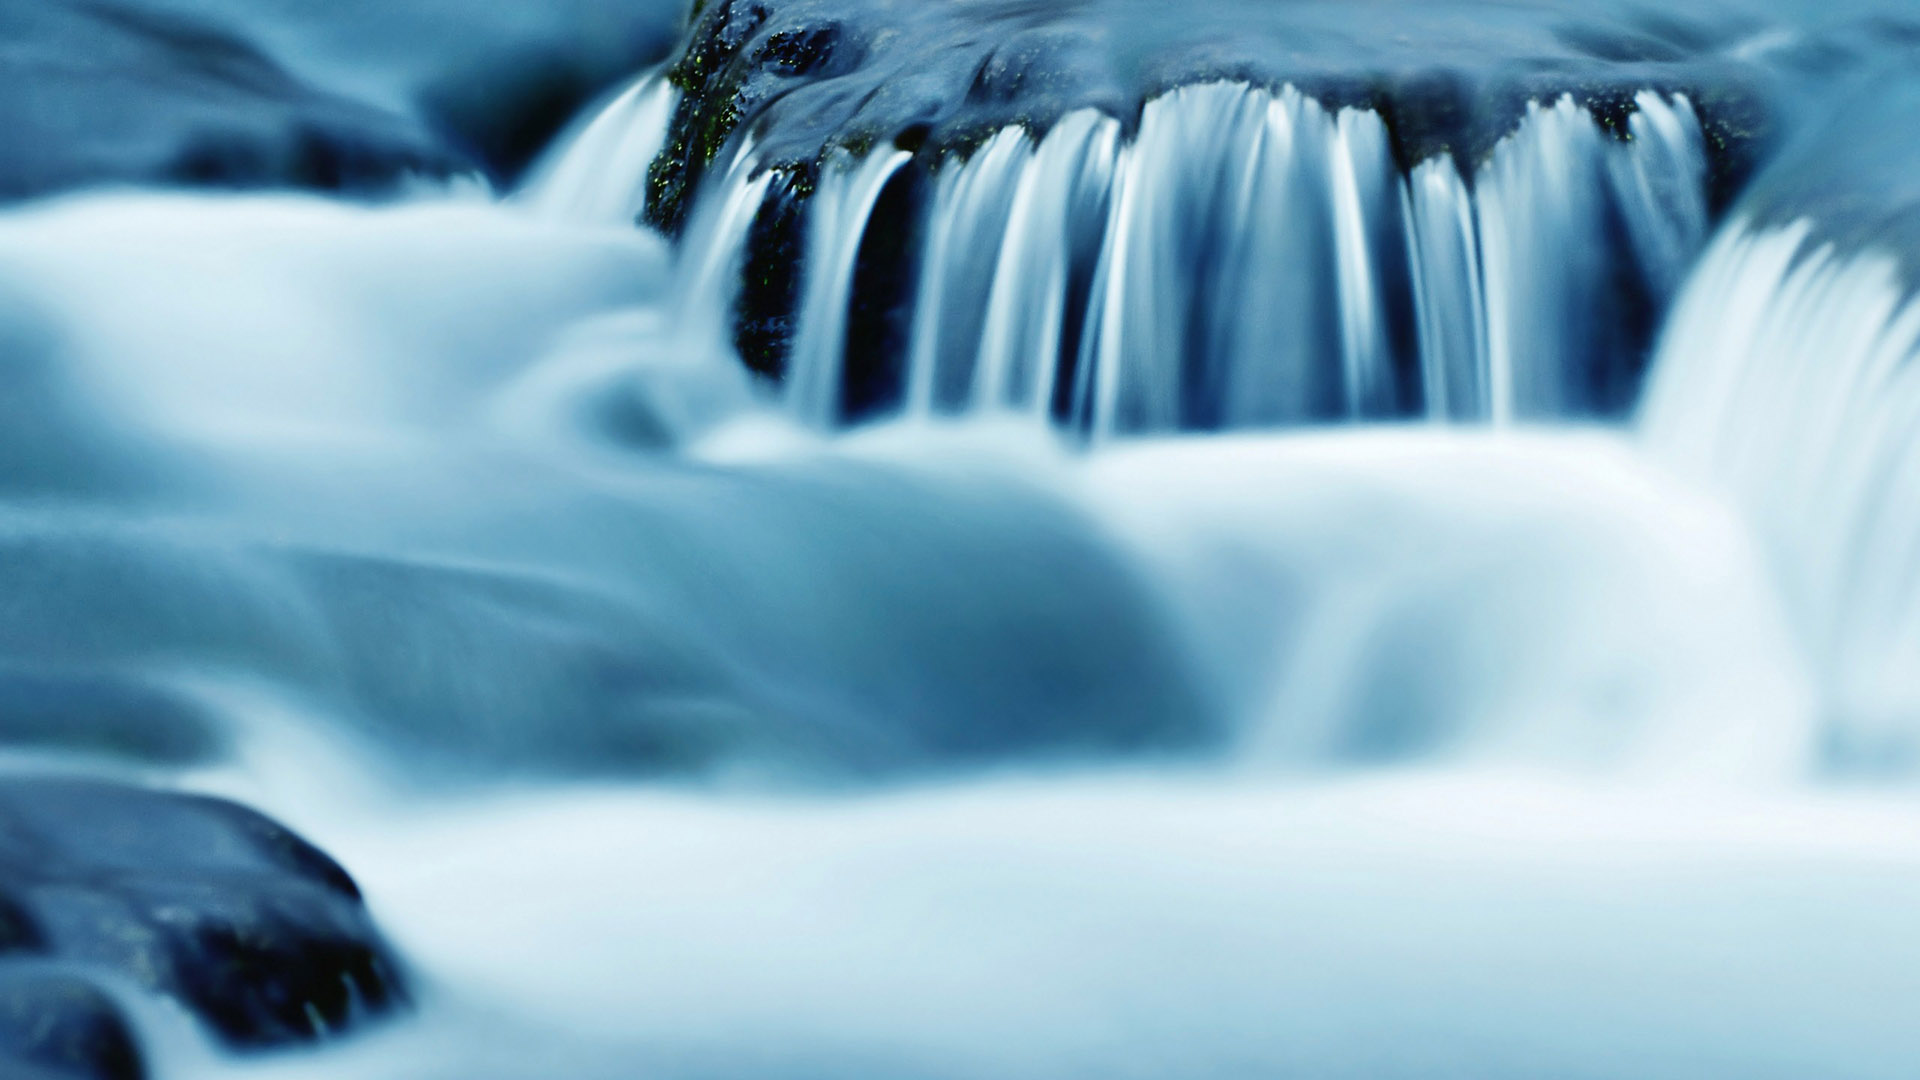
(256, 932)
(356, 96)
(55, 1025)
(98, 92)
(805, 622)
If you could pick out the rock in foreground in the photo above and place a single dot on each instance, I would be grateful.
(256, 932)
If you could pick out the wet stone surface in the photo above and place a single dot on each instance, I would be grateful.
(256, 932)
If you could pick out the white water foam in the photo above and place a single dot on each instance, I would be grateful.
(1788, 378)
(597, 175)
(1377, 753)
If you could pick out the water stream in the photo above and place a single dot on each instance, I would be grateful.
(1247, 648)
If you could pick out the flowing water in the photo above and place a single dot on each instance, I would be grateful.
(1252, 259)
(674, 729)
(1789, 382)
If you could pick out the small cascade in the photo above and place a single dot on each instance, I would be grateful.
(1256, 259)
(1052, 235)
(1374, 579)
(971, 200)
(1790, 378)
(709, 278)
(841, 209)
(1443, 244)
(598, 175)
(1206, 318)
(1544, 203)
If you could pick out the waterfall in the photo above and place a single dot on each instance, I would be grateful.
(841, 209)
(1047, 236)
(598, 174)
(1378, 578)
(1789, 378)
(970, 201)
(1205, 320)
(1542, 203)
(1257, 259)
(1444, 248)
(709, 278)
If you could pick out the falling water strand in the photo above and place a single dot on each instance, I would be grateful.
(1543, 202)
(1789, 378)
(1046, 236)
(1444, 250)
(841, 209)
(710, 256)
(599, 175)
(1255, 259)
(1190, 309)
(1360, 168)
(1660, 188)
(971, 201)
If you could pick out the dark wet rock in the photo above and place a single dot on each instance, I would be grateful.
(98, 92)
(770, 287)
(56, 1025)
(879, 325)
(806, 75)
(255, 931)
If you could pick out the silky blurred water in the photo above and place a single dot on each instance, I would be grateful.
(671, 732)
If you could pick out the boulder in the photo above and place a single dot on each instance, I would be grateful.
(253, 930)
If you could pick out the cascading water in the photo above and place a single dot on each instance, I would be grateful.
(841, 209)
(1253, 259)
(598, 175)
(1788, 378)
(969, 202)
(1051, 233)
(676, 724)
(1542, 204)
